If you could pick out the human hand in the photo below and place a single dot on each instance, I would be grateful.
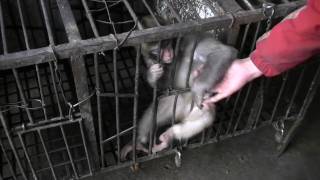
(240, 72)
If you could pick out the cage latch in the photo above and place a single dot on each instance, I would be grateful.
(268, 12)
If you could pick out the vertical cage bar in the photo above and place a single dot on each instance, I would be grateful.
(176, 51)
(90, 18)
(80, 78)
(132, 13)
(8, 161)
(243, 107)
(41, 93)
(284, 82)
(116, 98)
(150, 11)
(85, 145)
(256, 107)
(233, 111)
(153, 133)
(96, 67)
(20, 89)
(55, 88)
(255, 36)
(154, 108)
(69, 152)
(47, 155)
(27, 156)
(10, 140)
(244, 37)
(24, 30)
(173, 119)
(259, 111)
(295, 92)
(135, 103)
(47, 22)
(194, 46)
(3, 31)
(301, 116)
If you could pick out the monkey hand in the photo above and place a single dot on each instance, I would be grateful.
(240, 73)
(128, 148)
(165, 139)
(154, 73)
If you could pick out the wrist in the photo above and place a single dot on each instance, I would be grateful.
(251, 68)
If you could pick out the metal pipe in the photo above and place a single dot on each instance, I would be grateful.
(116, 90)
(90, 18)
(47, 154)
(50, 125)
(233, 111)
(295, 92)
(47, 22)
(11, 144)
(133, 14)
(150, 11)
(248, 4)
(243, 107)
(20, 89)
(135, 104)
(301, 116)
(244, 37)
(124, 95)
(55, 88)
(41, 93)
(88, 46)
(85, 145)
(255, 36)
(284, 81)
(8, 161)
(24, 30)
(3, 31)
(174, 66)
(96, 68)
(27, 157)
(69, 152)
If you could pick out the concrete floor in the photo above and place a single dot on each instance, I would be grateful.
(246, 157)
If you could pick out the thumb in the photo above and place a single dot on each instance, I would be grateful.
(215, 98)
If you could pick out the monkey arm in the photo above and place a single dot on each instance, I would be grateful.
(194, 123)
(289, 43)
(212, 72)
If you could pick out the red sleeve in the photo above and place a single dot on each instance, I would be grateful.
(290, 42)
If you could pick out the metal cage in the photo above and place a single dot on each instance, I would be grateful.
(71, 90)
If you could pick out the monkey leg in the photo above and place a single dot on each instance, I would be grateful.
(193, 124)
(164, 114)
(129, 147)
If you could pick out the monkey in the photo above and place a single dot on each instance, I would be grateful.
(150, 52)
(209, 59)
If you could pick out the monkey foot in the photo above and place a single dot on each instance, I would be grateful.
(165, 139)
(128, 148)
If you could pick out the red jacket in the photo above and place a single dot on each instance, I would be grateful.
(291, 42)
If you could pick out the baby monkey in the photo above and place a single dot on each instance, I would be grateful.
(207, 59)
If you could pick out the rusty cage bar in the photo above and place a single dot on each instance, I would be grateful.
(71, 89)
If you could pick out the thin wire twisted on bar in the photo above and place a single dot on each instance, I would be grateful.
(112, 23)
